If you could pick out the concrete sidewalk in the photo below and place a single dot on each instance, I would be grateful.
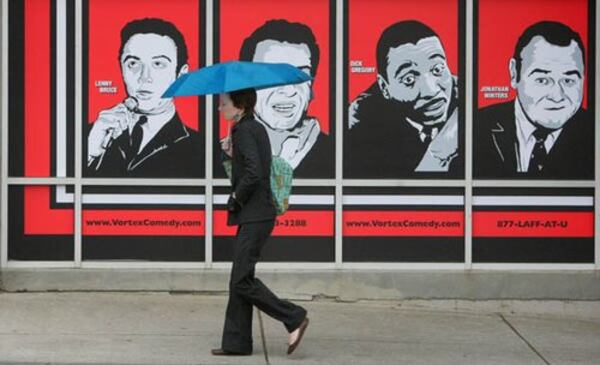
(181, 328)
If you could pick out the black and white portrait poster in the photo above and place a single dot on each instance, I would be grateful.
(134, 50)
(404, 85)
(299, 119)
(534, 89)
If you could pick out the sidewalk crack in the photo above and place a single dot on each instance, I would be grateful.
(524, 339)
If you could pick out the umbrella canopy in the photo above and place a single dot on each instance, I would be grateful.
(237, 75)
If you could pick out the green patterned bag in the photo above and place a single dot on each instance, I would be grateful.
(281, 182)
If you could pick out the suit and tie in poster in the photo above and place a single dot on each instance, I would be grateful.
(533, 118)
(132, 60)
(404, 70)
(534, 83)
(133, 51)
(404, 85)
(299, 119)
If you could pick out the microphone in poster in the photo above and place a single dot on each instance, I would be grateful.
(131, 103)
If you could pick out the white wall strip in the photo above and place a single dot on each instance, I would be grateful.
(4, 139)
(402, 266)
(339, 128)
(534, 183)
(120, 264)
(527, 201)
(468, 118)
(77, 206)
(295, 182)
(61, 88)
(294, 199)
(41, 265)
(62, 196)
(404, 183)
(208, 114)
(150, 199)
(283, 266)
(103, 181)
(527, 267)
(403, 200)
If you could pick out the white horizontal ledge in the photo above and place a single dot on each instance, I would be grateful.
(294, 199)
(148, 199)
(159, 265)
(295, 182)
(507, 200)
(311, 199)
(532, 267)
(62, 196)
(403, 200)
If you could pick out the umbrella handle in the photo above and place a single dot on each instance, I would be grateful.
(262, 335)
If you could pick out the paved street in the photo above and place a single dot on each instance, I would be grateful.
(171, 328)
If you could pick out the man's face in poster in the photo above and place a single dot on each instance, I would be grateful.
(550, 84)
(283, 107)
(418, 79)
(148, 64)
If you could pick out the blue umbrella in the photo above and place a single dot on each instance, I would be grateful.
(237, 75)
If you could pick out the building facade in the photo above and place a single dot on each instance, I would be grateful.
(439, 135)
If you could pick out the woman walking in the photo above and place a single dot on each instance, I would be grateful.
(251, 208)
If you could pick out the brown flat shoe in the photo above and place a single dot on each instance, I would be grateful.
(302, 328)
(221, 352)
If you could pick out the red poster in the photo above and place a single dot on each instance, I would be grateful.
(106, 20)
(369, 19)
(501, 24)
(104, 23)
(135, 50)
(298, 118)
(404, 69)
(533, 224)
(304, 223)
(533, 79)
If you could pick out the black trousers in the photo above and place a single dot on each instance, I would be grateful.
(246, 291)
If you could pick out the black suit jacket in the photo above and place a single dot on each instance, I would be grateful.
(175, 151)
(382, 144)
(251, 173)
(496, 147)
(319, 162)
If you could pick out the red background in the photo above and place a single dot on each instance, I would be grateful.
(368, 19)
(107, 18)
(239, 18)
(40, 219)
(37, 88)
(579, 224)
(502, 22)
(318, 224)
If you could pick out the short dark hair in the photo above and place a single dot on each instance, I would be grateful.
(397, 34)
(244, 99)
(555, 33)
(283, 31)
(160, 27)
